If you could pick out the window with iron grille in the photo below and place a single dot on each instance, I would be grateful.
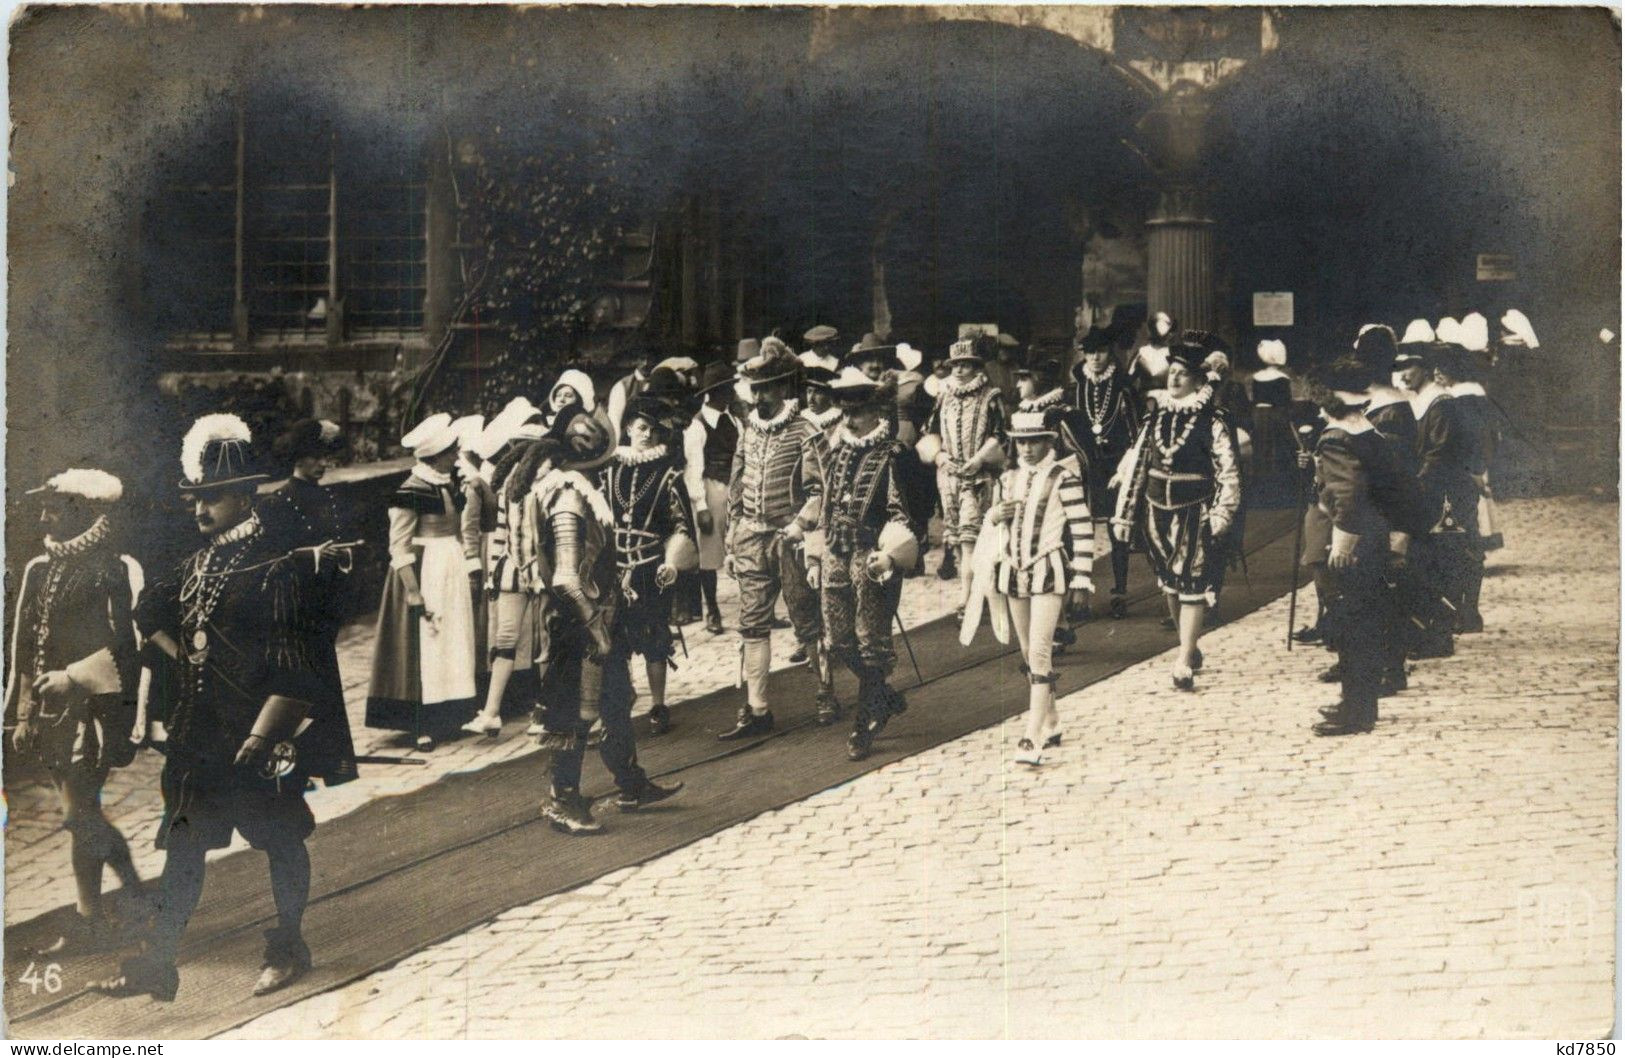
(312, 228)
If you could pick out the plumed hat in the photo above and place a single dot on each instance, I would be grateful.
(502, 428)
(1519, 330)
(1418, 331)
(964, 350)
(306, 438)
(1475, 332)
(93, 486)
(431, 436)
(1272, 351)
(774, 362)
(219, 451)
(583, 439)
(1188, 354)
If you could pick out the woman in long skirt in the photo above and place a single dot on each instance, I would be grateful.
(1180, 487)
(423, 667)
(1045, 555)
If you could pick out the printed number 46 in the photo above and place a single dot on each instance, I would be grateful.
(51, 979)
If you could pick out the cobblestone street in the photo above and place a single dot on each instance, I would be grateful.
(36, 869)
(1186, 866)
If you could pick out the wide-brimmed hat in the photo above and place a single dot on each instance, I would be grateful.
(307, 438)
(1376, 347)
(852, 386)
(218, 451)
(872, 348)
(715, 374)
(88, 484)
(1348, 376)
(773, 363)
(1043, 423)
(819, 370)
(664, 400)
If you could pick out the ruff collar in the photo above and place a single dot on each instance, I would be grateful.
(848, 439)
(822, 419)
(963, 389)
(1049, 400)
(241, 531)
(628, 456)
(1190, 402)
(557, 480)
(424, 472)
(1042, 464)
(78, 545)
(775, 423)
(1084, 372)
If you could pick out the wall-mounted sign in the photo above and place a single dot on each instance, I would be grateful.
(1496, 268)
(1272, 309)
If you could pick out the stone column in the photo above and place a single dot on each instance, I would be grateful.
(1180, 276)
(1179, 265)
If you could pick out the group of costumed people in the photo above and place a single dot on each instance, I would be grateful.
(565, 538)
(1403, 505)
(227, 663)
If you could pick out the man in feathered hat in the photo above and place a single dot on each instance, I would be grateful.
(963, 440)
(774, 499)
(586, 677)
(71, 681)
(709, 443)
(245, 736)
(868, 543)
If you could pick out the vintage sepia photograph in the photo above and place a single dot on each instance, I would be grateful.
(812, 522)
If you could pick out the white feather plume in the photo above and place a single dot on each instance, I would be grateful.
(221, 426)
(97, 486)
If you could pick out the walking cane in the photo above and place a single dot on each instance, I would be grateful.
(919, 679)
(1297, 539)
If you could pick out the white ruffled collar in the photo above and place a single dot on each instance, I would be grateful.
(770, 425)
(241, 531)
(963, 389)
(1042, 464)
(1048, 400)
(1190, 402)
(822, 419)
(78, 545)
(1084, 372)
(628, 456)
(424, 472)
(848, 439)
